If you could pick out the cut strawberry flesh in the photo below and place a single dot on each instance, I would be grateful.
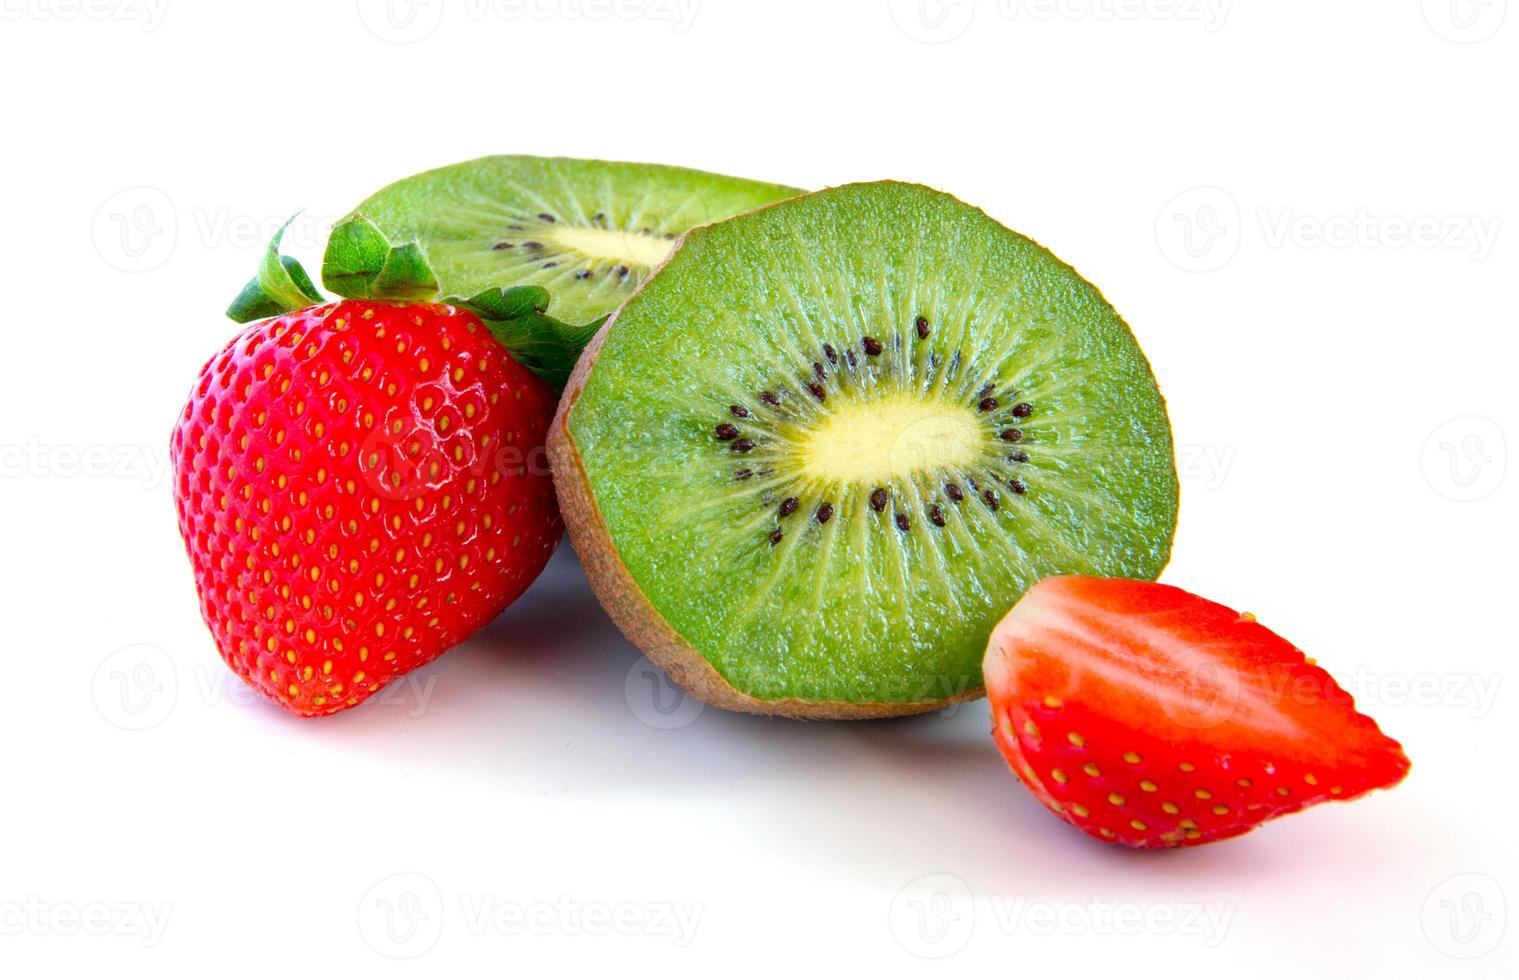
(1147, 715)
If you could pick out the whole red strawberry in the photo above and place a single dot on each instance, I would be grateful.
(360, 485)
(1148, 716)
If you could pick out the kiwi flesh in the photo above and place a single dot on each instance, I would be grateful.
(588, 231)
(811, 462)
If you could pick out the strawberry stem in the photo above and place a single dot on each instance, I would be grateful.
(361, 263)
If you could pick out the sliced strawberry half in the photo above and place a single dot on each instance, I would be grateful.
(1151, 717)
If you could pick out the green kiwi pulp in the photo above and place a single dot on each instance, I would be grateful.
(835, 439)
(588, 231)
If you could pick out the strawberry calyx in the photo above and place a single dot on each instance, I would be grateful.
(361, 263)
(281, 286)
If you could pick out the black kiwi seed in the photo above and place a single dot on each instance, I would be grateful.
(532, 244)
(768, 397)
(742, 446)
(1023, 410)
(500, 245)
(1012, 435)
(622, 272)
(872, 346)
(1018, 487)
(789, 506)
(937, 515)
(990, 498)
(775, 537)
(550, 265)
(953, 491)
(988, 405)
(824, 512)
(988, 388)
(583, 274)
(726, 431)
(902, 522)
(831, 354)
(921, 323)
(849, 356)
(878, 498)
(817, 369)
(972, 481)
(817, 391)
(1019, 457)
(598, 216)
(546, 217)
(743, 474)
(738, 411)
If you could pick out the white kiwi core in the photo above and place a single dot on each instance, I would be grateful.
(610, 244)
(875, 441)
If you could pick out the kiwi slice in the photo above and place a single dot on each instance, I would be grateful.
(818, 455)
(587, 231)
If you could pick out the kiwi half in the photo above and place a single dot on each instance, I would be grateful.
(588, 231)
(811, 462)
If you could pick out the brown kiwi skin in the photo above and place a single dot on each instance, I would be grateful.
(639, 621)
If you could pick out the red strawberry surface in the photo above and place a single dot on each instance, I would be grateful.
(1151, 717)
(361, 485)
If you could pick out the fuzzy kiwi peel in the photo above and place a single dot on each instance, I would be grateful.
(729, 471)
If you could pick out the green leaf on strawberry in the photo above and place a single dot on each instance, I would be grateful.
(547, 346)
(361, 263)
(281, 286)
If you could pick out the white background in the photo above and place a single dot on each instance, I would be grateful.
(1308, 213)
